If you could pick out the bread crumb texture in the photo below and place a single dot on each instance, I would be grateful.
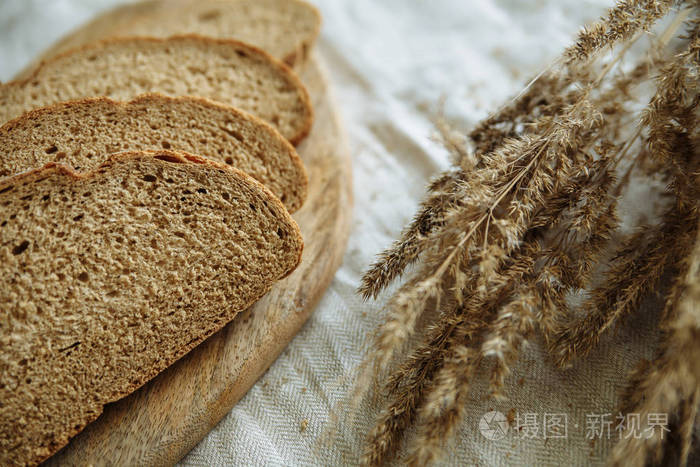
(111, 276)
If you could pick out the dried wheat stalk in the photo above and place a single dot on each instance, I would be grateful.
(528, 216)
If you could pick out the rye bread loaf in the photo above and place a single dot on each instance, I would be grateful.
(81, 134)
(286, 29)
(111, 276)
(225, 71)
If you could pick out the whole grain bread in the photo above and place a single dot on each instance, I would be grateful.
(81, 134)
(286, 29)
(225, 71)
(111, 276)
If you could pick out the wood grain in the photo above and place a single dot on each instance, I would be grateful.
(159, 423)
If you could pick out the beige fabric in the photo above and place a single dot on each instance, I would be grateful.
(390, 62)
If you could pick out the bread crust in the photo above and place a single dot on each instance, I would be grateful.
(33, 175)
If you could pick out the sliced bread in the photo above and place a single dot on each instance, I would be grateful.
(81, 134)
(286, 29)
(111, 276)
(225, 71)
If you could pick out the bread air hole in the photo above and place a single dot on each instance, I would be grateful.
(149, 178)
(229, 160)
(165, 144)
(209, 15)
(72, 346)
(51, 150)
(83, 277)
(233, 133)
(19, 249)
(168, 158)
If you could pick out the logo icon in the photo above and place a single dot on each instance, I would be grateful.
(493, 425)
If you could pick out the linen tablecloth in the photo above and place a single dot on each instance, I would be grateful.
(390, 63)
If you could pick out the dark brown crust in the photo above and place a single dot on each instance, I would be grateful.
(177, 157)
(238, 45)
(302, 183)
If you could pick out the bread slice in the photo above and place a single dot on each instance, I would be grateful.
(286, 29)
(80, 134)
(111, 276)
(225, 71)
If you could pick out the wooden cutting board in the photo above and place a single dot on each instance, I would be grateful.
(159, 423)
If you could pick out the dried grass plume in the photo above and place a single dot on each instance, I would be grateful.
(529, 216)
